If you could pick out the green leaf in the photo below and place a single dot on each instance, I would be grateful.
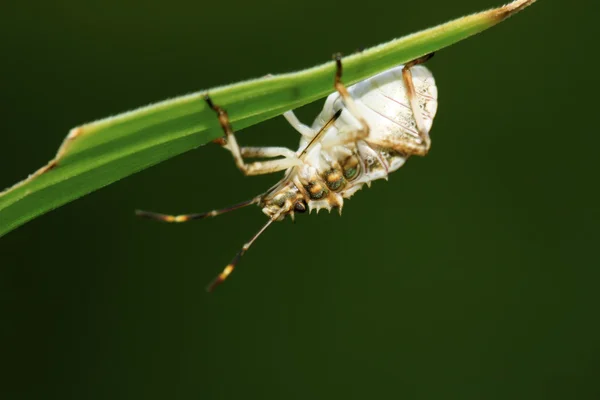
(99, 153)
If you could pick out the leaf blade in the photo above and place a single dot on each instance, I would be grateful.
(99, 153)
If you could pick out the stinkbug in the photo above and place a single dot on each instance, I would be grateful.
(364, 132)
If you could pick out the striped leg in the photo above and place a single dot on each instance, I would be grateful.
(231, 266)
(363, 132)
(189, 217)
(414, 105)
(255, 168)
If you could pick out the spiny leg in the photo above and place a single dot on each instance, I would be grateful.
(349, 101)
(231, 266)
(189, 217)
(411, 93)
(255, 168)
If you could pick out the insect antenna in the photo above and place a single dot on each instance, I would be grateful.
(189, 217)
(231, 266)
(319, 134)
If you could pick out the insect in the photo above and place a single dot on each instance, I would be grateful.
(363, 133)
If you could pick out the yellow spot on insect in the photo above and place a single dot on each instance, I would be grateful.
(315, 188)
(175, 218)
(226, 272)
(334, 177)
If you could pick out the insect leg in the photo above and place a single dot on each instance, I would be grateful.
(267, 152)
(256, 168)
(414, 101)
(267, 167)
(189, 217)
(363, 132)
(342, 139)
(231, 266)
(303, 129)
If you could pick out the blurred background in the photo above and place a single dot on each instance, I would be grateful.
(471, 274)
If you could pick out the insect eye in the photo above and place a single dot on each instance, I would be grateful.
(300, 206)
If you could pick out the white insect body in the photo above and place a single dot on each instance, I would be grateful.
(393, 135)
(363, 133)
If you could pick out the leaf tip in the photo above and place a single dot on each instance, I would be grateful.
(510, 9)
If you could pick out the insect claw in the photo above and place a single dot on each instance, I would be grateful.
(209, 101)
(338, 65)
(220, 141)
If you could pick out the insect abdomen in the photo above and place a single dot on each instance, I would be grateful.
(383, 101)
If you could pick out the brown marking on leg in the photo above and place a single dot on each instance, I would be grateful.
(407, 148)
(222, 115)
(256, 168)
(338, 85)
(231, 266)
(347, 99)
(223, 121)
(411, 93)
(407, 75)
(189, 217)
(420, 60)
(226, 271)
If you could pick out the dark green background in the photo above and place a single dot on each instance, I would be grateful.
(471, 274)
